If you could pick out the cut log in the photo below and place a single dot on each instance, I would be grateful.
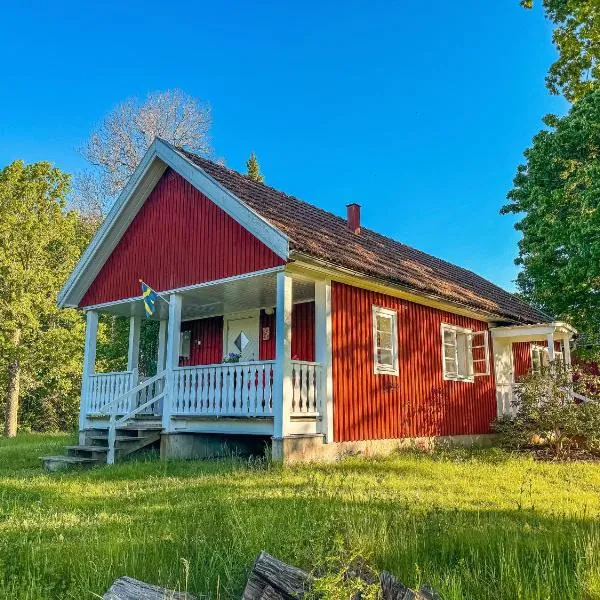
(392, 589)
(127, 588)
(290, 583)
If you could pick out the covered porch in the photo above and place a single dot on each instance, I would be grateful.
(247, 355)
(520, 349)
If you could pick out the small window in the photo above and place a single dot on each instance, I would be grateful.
(540, 358)
(465, 353)
(185, 344)
(385, 341)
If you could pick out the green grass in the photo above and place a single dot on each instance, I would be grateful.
(477, 525)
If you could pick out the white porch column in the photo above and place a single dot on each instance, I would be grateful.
(133, 352)
(323, 335)
(89, 362)
(550, 347)
(283, 356)
(567, 351)
(172, 355)
(162, 346)
(504, 374)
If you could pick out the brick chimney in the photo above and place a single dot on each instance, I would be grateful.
(353, 217)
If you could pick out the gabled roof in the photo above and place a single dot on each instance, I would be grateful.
(292, 229)
(320, 234)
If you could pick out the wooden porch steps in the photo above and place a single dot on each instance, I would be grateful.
(132, 437)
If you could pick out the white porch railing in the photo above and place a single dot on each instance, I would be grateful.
(103, 388)
(307, 388)
(230, 389)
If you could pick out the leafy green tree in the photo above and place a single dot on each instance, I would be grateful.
(577, 39)
(40, 242)
(254, 169)
(557, 191)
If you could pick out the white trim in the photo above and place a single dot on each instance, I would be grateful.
(133, 348)
(89, 365)
(379, 369)
(172, 359)
(323, 353)
(159, 156)
(282, 380)
(190, 288)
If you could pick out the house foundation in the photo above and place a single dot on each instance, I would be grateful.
(209, 445)
(294, 449)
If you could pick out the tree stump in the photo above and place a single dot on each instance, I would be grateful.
(127, 588)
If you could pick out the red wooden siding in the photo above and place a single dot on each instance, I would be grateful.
(419, 402)
(522, 356)
(303, 333)
(206, 346)
(178, 238)
(209, 332)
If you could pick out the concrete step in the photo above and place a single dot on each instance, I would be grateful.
(119, 438)
(84, 451)
(60, 463)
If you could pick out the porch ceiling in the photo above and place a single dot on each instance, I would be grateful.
(208, 300)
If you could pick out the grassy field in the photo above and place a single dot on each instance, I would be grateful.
(480, 525)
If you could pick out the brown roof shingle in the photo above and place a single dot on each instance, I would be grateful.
(323, 235)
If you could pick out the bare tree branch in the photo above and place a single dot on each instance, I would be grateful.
(116, 147)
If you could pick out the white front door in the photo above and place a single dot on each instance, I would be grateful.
(241, 336)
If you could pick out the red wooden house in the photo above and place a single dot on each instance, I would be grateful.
(346, 340)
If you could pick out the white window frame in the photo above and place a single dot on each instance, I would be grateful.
(384, 369)
(471, 342)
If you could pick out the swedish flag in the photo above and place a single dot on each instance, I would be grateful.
(149, 296)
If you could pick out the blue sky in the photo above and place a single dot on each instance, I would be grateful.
(418, 111)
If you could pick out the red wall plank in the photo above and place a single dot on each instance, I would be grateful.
(303, 333)
(416, 403)
(178, 238)
(206, 342)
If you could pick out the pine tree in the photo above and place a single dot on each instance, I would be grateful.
(254, 169)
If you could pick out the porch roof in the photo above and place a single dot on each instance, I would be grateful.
(535, 332)
(231, 295)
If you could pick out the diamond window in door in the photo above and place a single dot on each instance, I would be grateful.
(241, 341)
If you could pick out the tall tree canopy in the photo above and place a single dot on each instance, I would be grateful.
(40, 242)
(116, 147)
(558, 192)
(253, 169)
(577, 39)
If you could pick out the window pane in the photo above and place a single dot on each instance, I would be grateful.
(384, 357)
(462, 343)
(450, 366)
(384, 324)
(384, 340)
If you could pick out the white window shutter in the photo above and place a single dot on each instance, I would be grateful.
(480, 352)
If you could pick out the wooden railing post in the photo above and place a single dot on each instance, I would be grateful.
(172, 356)
(89, 362)
(282, 384)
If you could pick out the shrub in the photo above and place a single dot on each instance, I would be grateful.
(548, 412)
